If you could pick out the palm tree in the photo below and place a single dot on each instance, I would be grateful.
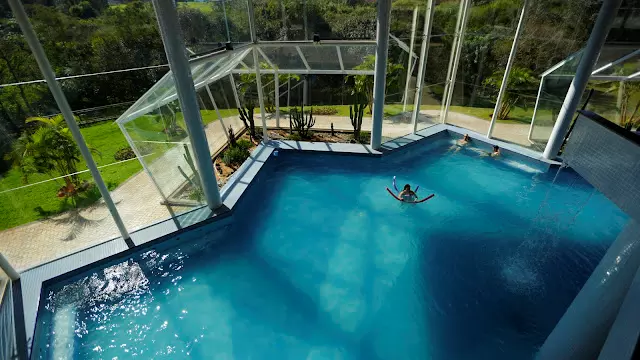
(51, 150)
(520, 80)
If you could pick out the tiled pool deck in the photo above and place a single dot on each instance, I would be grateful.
(33, 279)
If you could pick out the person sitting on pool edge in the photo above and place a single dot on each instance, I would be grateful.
(461, 143)
(496, 151)
(466, 139)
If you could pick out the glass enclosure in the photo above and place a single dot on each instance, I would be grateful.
(613, 86)
(130, 116)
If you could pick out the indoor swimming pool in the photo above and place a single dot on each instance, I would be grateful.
(318, 261)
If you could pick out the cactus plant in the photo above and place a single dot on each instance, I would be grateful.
(232, 137)
(300, 122)
(356, 113)
(246, 115)
(195, 179)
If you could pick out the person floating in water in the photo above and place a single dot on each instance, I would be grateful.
(407, 195)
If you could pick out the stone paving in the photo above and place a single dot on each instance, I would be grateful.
(139, 202)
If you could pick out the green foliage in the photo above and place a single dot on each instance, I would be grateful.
(295, 137)
(124, 154)
(244, 144)
(628, 102)
(363, 84)
(235, 156)
(246, 115)
(50, 149)
(520, 81)
(356, 113)
(301, 122)
(325, 110)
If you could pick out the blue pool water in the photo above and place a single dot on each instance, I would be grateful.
(319, 262)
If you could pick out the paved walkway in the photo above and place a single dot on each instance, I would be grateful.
(139, 202)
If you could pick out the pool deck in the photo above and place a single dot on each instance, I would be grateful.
(32, 280)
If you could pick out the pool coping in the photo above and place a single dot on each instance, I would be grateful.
(35, 279)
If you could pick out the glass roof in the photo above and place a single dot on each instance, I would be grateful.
(615, 62)
(294, 57)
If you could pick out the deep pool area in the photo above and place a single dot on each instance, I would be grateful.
(318, 261)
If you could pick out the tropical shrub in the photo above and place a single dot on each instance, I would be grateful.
(325, 110)
(235, 156)
(520, 81)
(49, 149)
(124, 154)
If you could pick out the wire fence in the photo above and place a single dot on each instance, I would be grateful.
(8, 349)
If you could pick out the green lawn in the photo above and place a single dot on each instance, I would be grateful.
(518, 115)
(35, 202)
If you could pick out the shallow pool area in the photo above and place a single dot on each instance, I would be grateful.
(318, 262)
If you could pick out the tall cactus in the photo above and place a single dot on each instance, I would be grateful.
(246, 115)
(356, 113)
(195, 179)
(300, 122)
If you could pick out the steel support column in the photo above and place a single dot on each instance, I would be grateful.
(179, 63)
(379, 82)
(507, 71)
(61, 100)
(424, 52)
(605, 19)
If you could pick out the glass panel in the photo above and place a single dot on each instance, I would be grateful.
(628, 66)
(354, 55)
(160, 137)
(438, 56)
(284, 57)
(341, 20)
(49, 203)
(485, 49)
(550, 45)
(397, 115)
(206, 26)
(321, 57)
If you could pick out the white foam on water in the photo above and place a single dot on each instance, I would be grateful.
(521, 276)
(522, 166)
(63, 334)
(340, 294)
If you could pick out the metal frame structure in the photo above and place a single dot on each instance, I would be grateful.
(507, 71)
(456, 50)
(595, 75)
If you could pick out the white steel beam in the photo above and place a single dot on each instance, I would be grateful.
(235, 91)
(215, 107)
(340, 58)
(61, 100)
(178, 62)
(618, 61)
(409, 67)
(307, 72)
(507, 70)
(590, 54)
(424, 51)
(304, 59)
(466, 4)
(379, 82)
(454, 48)
(263, 114)
(535, 109)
